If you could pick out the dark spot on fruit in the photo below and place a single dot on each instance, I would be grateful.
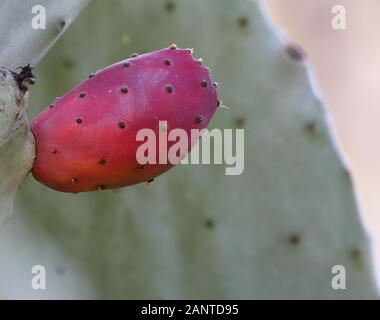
(54, 151)
(82, 95)
(169, 6)
(134, 55)
(122, 125)
(102, 161)
(294, 239)
(101, 187)
(91, 75)
(204, 83)
(243, 22)
(51, 106)
(169, 89)
(150, 181)
(209, 224)
(215, 84)
(74, 180)
(173, 46)
(198, 119)
(295, 52)
(142, 166)
(62, 24)
(126, 64)
(124, 89)
(168, 62)
(79, 120)
(240, 122)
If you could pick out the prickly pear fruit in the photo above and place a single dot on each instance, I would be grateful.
(86, 140)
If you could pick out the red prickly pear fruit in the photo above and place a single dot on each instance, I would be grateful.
(86, 140)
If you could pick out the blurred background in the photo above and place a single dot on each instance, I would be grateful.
(346, 65)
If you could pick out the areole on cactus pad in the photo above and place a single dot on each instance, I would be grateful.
(86, 140)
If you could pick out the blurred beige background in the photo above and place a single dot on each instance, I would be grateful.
(346, 64)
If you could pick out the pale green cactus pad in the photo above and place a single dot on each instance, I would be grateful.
(275, 231)
(26, 41)
(16, 142)
(22, 44)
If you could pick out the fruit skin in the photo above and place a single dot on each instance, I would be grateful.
(86, 140)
